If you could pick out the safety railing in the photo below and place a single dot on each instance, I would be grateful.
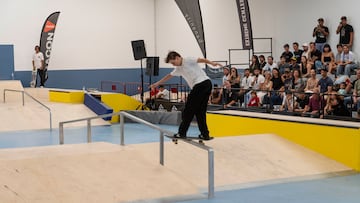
(163, 133)
(271, 102)
(23, 102)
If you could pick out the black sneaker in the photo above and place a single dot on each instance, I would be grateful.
(205, 137)
(177, 135)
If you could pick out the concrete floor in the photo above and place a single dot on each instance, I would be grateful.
(254, 168)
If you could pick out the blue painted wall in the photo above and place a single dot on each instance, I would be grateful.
(77, 79)
(6, 62)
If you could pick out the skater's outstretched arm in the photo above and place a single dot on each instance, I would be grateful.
(161, 81)
(207, 61)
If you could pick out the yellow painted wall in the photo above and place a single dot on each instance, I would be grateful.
(119, 102)
(338, 143)
(66, 97)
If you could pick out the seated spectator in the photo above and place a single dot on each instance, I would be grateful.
(150, 102)
(315, 105)
(315, 57)
(278, 86)
(287, 79)
(348, 62)
(330, 90)
(356, 92)
(226, 72)
(330, 94)
(163, 93)
(306, 50)
(342, 89)
(234, 80)
(283, 64)
(337, 58)
(255, 64)
(297, 52)
(262, 61)
(298, 84)
(265, 88)
(337, 107)
(312, 82)
(324, 81)
(216, 95)
(300, 102)
(246, 80)
(288, 103)
(287, 53)
(256, 82)
(269, 65)
(304, 67)
(328, 59)
(293, 64)
(254, 100)
(245, 85)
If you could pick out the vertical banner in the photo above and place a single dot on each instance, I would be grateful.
(245, 23)
(192, 13)
(47, 37)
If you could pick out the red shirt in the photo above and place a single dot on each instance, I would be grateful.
(254, 101)
(154, 92)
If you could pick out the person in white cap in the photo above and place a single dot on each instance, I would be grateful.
(306, 52)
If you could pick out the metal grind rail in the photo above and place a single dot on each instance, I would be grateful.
(23, 102)
(163, 133)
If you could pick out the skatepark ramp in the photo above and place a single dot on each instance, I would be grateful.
(163, 133)
(34, 99)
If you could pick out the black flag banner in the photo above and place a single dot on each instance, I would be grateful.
(245, 23)
(192, 13)
(47, 37)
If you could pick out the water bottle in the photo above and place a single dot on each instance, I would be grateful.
(83, 88)
(161, 108)
(173, 108)
(12, 76)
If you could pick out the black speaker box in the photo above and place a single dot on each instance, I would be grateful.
(152, 66)
(139, 51)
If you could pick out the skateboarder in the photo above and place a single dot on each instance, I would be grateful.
(200, 85)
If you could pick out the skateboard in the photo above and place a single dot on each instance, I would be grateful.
(33, 78)
(201, 141)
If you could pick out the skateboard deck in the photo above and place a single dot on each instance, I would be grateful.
(33, 78)
(201, 141)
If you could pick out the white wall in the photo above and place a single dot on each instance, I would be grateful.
(90, 33)
(95, 34)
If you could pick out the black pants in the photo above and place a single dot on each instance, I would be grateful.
(41, 73)
(196, 105)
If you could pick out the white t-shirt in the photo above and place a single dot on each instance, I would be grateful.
(269, 67)
(191, 71)
(165, 94)
(258, 82)
(38, 58)
(246, 82)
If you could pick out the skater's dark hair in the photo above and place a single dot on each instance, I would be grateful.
(37, 47)
(171, 56)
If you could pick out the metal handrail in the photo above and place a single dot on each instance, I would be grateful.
(23, 102)
(163, 133)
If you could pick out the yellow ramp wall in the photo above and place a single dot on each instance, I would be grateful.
(339, 143)
(119, 102)
(76, 97)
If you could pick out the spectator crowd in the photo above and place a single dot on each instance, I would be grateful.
(310, 80)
